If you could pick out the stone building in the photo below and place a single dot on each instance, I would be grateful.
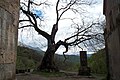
(112, 37)
(9, 14)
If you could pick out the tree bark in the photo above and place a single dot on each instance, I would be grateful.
(48, 63)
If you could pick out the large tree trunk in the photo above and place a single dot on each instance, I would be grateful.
(48, 63)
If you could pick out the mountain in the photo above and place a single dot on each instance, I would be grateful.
(30, 57)
(69, 58)
(89, 55)
(20, 44)
(37, 49)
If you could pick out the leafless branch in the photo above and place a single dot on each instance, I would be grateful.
(29, 5)
(79, 32)
(45, 3)
(23, 4)
(57, 11)
(32, 18)
(66, 9)
(25, 26)
(54, 31)
(23, 21)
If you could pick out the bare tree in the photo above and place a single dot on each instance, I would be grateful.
(84, 33)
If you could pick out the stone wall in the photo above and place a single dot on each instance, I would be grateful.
(112, 37)
(9, 14)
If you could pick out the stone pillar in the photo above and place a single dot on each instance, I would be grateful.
(84, 69)
(9, 14)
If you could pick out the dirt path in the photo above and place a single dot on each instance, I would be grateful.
(39, 77)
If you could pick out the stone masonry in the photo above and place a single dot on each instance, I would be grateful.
(84, 70)
(112, 38)
(9, 14)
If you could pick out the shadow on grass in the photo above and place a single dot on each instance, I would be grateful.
(49, 74)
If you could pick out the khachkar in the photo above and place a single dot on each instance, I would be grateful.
(84, 69)
(9, 14)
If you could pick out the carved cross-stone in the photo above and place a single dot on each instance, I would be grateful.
(84, 69)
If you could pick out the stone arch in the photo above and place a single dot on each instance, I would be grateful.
(9, 14)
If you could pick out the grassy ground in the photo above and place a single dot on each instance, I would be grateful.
(99, 76)
(52, 76)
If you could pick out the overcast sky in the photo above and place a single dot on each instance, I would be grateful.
(29, 37)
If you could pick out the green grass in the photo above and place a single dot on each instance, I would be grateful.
(50, 74)
(100, 76)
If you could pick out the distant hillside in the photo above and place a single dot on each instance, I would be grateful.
(69, 58)
(97, 62)
(31, 58)
(28, 58)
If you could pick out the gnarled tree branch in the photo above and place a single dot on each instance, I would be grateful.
(31, 15)
(54, 31)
